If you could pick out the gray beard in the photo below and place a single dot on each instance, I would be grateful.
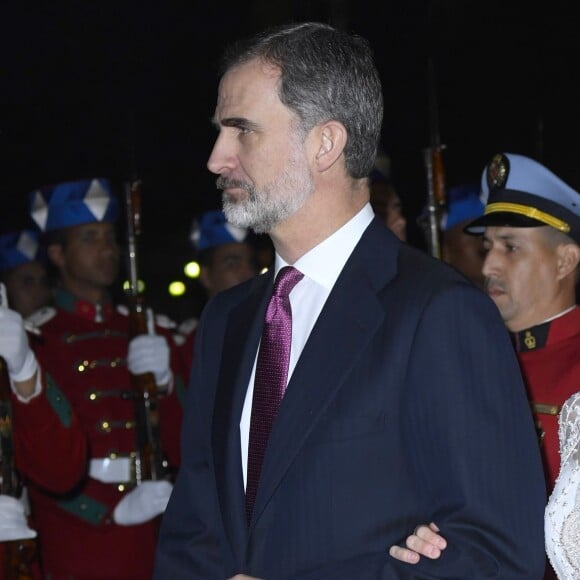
(262, 210)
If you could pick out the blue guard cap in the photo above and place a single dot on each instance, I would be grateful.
(73, 203)
(463, 204)
(212, 229)
(18, 248)
(520, 192)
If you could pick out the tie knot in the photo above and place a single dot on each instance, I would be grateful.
(286, 279)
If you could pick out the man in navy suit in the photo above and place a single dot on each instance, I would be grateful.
(404, 402)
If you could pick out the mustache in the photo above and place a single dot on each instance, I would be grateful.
(494, 284)
(225, 183)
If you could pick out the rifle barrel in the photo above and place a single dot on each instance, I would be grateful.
(150, 463)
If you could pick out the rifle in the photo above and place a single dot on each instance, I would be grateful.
(18, 555)
(435, 173)
(150, 463)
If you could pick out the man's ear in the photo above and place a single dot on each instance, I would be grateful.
(332, 137)
(568, 259)
(55, 254)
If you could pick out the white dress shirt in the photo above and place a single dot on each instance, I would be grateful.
(321, 267)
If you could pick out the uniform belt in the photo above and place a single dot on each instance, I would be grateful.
(113, 469)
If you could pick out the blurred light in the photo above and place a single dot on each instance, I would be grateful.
(264, 270)
(177, 288)
(192, 269)
(140, 286)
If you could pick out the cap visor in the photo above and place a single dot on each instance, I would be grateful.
(508, 219)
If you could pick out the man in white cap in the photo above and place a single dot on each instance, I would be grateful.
(531, 235)
(76, 423)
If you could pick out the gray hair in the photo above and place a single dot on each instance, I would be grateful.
(555, 238)
(326, 74)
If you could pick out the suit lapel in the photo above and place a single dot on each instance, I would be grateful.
(241, 340)
(349, 325)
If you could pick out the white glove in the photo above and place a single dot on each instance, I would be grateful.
(149, 353)
(14, 347)
(143, 503)
(13, 524)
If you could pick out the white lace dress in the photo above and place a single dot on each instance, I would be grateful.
(562, 518)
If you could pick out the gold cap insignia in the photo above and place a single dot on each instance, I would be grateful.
(497, 171)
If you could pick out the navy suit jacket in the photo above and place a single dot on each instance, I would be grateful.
(406, 406)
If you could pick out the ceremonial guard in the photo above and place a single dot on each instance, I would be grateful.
(227, 256)
(531, 236)
(462, 251)
(522, 194)
(532, 277)
(23, 271)
(78, 430)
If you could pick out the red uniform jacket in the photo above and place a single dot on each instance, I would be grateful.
(549, 356)
(85, 412)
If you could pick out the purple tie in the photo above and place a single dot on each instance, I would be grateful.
(271, 375)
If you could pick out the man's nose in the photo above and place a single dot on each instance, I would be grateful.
(222, 157)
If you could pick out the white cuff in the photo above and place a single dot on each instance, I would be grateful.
(29, 367)
(143, 503)
(37, 387)
(13, 525)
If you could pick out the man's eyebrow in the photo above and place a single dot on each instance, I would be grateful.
(501, 237)
(508, 237)
(236, 122)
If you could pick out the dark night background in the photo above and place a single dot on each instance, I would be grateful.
(118, 89)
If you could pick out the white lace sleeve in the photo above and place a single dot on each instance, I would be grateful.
(562, 518)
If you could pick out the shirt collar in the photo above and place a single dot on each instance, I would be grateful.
(324, 262)
(560, 314)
